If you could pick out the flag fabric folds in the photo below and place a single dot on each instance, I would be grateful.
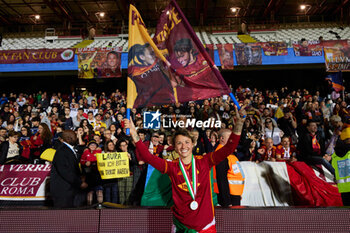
(337, 81)
(148, 76)
(266, 184)
(194, 74)
(157, 189)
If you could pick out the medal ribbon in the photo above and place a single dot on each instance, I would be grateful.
(191, 189)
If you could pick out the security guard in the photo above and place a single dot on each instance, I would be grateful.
(228, 176)
(341, 164)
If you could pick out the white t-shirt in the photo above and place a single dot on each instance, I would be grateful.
(276, 137)
(13, 150)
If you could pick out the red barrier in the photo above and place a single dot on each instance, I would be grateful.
(160, 220)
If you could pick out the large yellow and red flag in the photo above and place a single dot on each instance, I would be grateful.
(148, 70)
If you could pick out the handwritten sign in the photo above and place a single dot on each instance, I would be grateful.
(113, 165)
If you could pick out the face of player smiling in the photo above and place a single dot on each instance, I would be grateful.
(183, 58)
(183, 146)
(148, 56)
(112, 60)
(227, 56)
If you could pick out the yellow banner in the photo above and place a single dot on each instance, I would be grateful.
(113, 165)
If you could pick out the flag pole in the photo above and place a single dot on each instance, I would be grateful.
(235, 100)
(127, 117)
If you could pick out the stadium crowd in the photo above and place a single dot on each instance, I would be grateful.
(280, 125)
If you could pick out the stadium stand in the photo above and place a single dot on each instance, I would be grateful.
(286, 35)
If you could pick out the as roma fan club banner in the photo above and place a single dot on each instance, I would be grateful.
(307, 48)
(337, 55)
(99, 62)
(194, 74)
(274, 48)
(113, 165)
(148, 77)
(248, 54)
(226, 56)
(20, 182)
(36, 56)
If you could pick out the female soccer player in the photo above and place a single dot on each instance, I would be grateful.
(193, 208)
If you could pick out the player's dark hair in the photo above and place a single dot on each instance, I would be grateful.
(183, 45)
(135, 53)
(183, 132)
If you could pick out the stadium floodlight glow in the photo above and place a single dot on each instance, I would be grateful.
(102, 14)
(37, 17)
(234, 9)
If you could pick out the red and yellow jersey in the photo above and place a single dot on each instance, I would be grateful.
(284, 153)
(199, 218)
(152, 86)
(198, 78)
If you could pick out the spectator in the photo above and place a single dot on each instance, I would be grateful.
(35, 125)
(125, 185)
(98, 140)
(212, 142)
(21, 100)
(285, 151)
(91, 118)
(65, 174)
(248, 150)
(3, 133)
(68, 121)
(228, 175)
(11, 150)
(198, 147)
(89, 162)
(270, 131)
(311, 148)
(78, 118)
(340, 163)
(142, 135)
(288, 124)
(336, 126)
(267, 152)
(153, 145)
(3, 99)
(40, 141)
(24, 141)
(110, 186)
(98, 123)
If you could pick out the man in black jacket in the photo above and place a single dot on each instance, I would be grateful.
(311, 147)
(65, 173)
